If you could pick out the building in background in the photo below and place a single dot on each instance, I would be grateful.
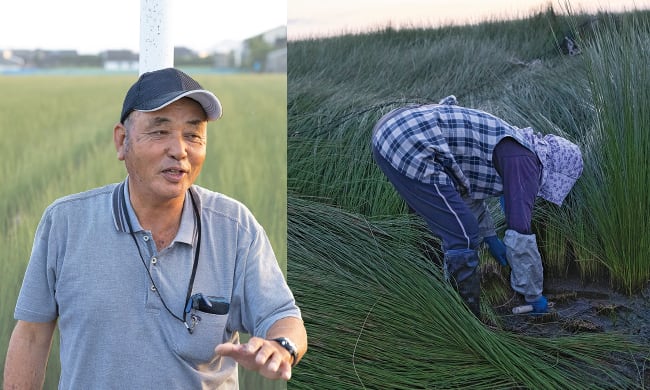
(10, 63)
(266, 52)
(119, 60)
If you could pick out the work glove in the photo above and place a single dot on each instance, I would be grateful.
(497, 249)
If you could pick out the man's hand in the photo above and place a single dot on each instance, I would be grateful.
(264, 356)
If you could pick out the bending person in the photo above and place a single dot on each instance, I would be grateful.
(444, 160)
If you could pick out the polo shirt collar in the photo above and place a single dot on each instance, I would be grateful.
(186, 232)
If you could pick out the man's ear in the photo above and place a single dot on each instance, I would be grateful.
(119, 138)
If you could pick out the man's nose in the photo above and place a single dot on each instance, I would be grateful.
(177, 147)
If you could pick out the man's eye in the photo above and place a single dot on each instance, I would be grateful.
(194, 137)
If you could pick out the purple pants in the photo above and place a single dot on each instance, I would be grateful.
(520, 171)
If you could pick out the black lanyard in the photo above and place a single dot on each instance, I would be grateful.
(197, 217)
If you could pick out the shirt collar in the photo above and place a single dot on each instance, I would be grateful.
(186, 231)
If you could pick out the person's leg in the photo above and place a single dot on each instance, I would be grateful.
(449, 218)
(462, 270)
(520, 171)
(441, 207)
(526, 271)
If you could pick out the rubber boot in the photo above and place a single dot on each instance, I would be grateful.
(540, 305)
(461, 269)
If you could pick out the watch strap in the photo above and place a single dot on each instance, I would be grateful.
(290, 347)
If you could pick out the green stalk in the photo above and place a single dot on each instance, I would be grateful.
(378, 313)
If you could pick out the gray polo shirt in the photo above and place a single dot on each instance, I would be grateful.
(85, 272)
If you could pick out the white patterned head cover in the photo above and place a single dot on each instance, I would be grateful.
(562, 166)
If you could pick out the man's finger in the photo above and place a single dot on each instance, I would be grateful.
(254, 344)
(263, 355)
(225, 348)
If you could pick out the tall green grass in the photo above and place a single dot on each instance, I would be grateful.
(361, 296)
(339, 87)
(619, 78)
(57, 139)
(380, 316)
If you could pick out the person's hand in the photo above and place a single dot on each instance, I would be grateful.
(497, 249)
(264, 356)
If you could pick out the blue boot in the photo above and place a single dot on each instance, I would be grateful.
(540, 306)
(461, 268)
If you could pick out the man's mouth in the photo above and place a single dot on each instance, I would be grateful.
(174, 174)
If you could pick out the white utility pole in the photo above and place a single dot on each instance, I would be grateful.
(156, 44)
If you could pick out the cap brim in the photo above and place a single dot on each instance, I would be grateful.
(207, 99)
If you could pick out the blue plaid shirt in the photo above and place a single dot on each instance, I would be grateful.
(446, 144)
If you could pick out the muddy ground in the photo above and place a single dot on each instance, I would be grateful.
(588, 308)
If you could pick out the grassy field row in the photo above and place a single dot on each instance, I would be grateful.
(340, 87)
(56, 136)
(373, 305)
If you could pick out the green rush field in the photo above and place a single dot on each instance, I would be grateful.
(56, 139)
(366, 273)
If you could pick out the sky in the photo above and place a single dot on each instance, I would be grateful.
(91, 26)
(319, 18)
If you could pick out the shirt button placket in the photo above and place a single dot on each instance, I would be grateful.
(154, 260)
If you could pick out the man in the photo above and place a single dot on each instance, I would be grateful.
(445, 160)
(151, 280)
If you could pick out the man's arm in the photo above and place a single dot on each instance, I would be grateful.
(266, 356)
(292, 328)
(29, 348)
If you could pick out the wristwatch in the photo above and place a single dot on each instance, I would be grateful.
(290, 347)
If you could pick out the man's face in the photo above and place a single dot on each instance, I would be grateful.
(163, 151)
